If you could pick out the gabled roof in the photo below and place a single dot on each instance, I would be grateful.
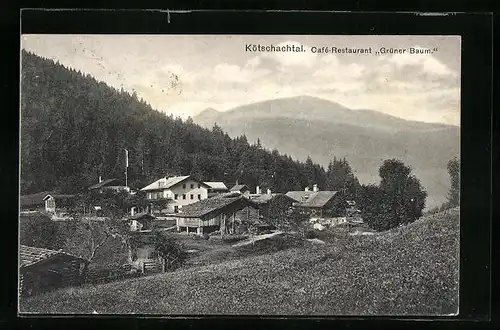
(299, 195)
(103, 183)
(216, 185)
(33, 199)
(318, 199)
(206, 206)
(30, 256)
(165, 183)
(265, 198)
(240, 187)
(58, 197)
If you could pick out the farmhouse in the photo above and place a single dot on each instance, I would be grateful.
(216, 213)
(322, 204)
(216, 188)
(108, 185)
(42, 269)
(169, 195)
(272, 206)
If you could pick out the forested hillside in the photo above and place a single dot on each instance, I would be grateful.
(75, 129)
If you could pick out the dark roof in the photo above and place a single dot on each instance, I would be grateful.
(103, 184)
(206, 206)
(300, 195)
(33, 199)
(265, 198)
(29, 256)
(311, 198)
(318, 199)
(239, 187)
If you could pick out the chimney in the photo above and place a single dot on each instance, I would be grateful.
(100, 179)
(257, 190)
(269, 191)
(132, 211)
(315, 188)
(306, 189)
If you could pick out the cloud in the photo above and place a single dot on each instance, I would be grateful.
(406, 85)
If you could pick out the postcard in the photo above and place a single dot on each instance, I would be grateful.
(269, 175)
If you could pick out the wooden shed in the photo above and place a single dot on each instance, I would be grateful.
(216, 213)
(43, 269)
(141, 221)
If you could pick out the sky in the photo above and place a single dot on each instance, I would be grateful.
(185, 74)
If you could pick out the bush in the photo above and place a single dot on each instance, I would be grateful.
(311, 234)
(169, 249)
(234, 238)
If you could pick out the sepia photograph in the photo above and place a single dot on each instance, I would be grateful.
(274, 175)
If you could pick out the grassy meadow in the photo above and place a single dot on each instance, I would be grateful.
(411, 270)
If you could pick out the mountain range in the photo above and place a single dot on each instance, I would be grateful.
(308, 126)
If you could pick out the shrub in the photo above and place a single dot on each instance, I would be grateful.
(311, 234)
(169, 249)
(234, 238)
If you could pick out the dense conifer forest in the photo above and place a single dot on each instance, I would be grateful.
(75, 129)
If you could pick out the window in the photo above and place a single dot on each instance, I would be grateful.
(192, 196)
(192, 185)
(184, 186)
(176, 209)
(183, 196)
(199, 196)
(176, 196)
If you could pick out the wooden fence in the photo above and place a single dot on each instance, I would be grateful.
(148, 267)
(107, 275)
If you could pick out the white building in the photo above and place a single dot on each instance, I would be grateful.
(168, 195)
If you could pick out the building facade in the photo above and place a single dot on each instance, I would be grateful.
(169, 195)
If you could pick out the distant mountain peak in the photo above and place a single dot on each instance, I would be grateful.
(209, 111)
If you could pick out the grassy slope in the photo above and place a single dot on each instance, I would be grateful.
(411, 270)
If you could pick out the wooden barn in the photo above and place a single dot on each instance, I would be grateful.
(216, 213)
(43, 269)
(273, 206)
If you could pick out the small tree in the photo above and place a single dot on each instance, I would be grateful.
(399, 199)
(85, 237)
(373, 208)
(454, 172)
(171, 251)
